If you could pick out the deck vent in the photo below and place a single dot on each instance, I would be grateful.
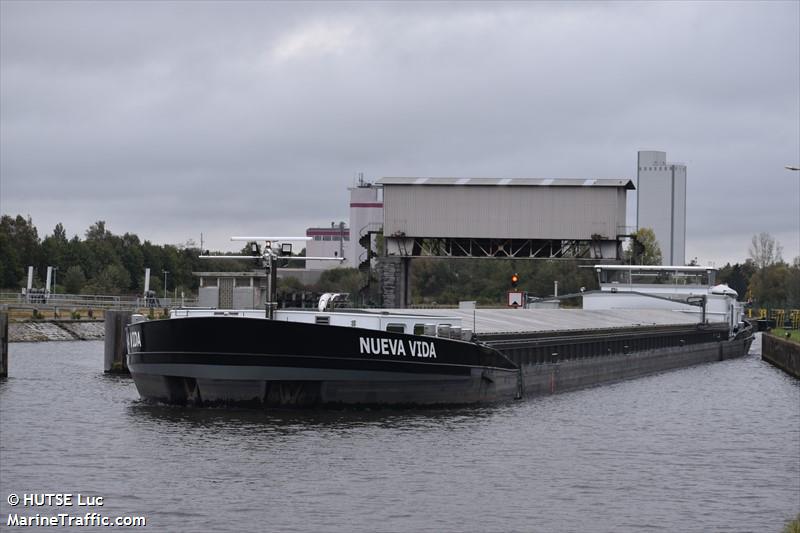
(322, 320)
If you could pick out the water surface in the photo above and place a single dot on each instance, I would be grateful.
(714, 447)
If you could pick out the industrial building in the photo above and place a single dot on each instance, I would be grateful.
(231, 290)
(328, 242)
(661, 203)
(339, 240)
(366, 219)
(493, 217)
(551, 215)
(503, 218)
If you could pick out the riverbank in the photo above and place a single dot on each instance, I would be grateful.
(56, 330)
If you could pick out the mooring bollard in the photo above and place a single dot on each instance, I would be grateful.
(115, 345)
(3, 344)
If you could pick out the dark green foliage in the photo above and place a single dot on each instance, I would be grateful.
(19, 247)
(102, 263)
(772, 283)
(644, 249)
(113, 279)
(74, 280)
(737, 276)
(348, 280)
(448, 281)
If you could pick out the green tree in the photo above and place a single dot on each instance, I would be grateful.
(737, 276)
(74, 280)
(769, 286)
(793, 285)
(643, 249)
(10, 269)
(55, 247)
(21, 247)
(347, 280)
(113, 279)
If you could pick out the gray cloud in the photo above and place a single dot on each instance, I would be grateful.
(171, 119)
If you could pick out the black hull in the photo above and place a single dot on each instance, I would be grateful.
(569, 360)
(257, 362)
(241, 361)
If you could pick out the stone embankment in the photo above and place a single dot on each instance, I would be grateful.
(56, 330)
(784, 354)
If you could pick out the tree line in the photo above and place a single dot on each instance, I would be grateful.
(105, 263)
(109, 264)
(100, 263)
(764, 279)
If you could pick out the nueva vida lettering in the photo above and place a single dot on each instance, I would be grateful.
(396, 347)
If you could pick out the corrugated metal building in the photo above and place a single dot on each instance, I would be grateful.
(518, 208)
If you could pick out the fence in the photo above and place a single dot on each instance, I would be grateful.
(784, 318)
(90, 301)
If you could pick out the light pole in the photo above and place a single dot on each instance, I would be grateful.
(55, 270)
(165, 282)
(789, 167)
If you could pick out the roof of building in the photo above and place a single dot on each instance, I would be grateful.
(514, 182)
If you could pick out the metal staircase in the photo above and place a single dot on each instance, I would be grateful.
(365, 240)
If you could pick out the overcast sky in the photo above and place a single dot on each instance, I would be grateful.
(172, 119)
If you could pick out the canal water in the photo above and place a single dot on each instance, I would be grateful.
(714, 447)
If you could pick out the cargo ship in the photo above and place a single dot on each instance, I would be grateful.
(642, 320)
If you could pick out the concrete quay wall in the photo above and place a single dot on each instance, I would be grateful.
(781, 353)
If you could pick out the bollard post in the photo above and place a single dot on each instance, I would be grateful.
(3, 344)
(115, 345)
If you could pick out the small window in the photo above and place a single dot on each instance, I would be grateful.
(324, 320)
(419, 329)
(396, 328)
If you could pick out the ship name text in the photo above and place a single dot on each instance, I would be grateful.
(396, 347)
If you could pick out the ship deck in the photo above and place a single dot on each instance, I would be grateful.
(499, 321)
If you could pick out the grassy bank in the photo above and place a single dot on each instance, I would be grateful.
(780, 332)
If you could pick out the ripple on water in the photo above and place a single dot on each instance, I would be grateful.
(713, 447)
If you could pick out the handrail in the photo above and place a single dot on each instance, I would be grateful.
(98, 301)
(369, 228)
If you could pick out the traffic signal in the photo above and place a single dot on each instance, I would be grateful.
(514, 280)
